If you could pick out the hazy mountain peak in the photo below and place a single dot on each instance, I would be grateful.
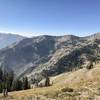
(93, 36)
(8, 39)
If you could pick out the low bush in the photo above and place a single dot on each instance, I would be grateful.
(67, 90)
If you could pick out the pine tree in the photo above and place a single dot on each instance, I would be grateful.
(1, 74)
(25, 83)
(17, 85)
(47, 81)
(10, 81)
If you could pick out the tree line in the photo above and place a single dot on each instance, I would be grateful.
(8, 82)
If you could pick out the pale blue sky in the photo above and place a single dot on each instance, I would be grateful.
(50, 17)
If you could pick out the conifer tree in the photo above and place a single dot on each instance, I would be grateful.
(25, 83)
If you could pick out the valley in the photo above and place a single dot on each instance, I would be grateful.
(71, 63)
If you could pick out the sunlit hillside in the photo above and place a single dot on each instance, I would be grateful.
(80, 84)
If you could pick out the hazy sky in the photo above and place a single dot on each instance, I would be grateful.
(52, 17)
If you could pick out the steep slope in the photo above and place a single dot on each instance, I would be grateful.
(8, 39)
(85, 84)
(68, 57)
(54, 54)
(79, 78)
(28, 53)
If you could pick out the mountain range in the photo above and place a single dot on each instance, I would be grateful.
(54, 54)
(8, 39)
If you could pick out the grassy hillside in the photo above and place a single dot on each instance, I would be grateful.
(83, 83)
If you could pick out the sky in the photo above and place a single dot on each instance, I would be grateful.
(50, 17)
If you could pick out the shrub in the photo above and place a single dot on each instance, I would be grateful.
(67, 90)
(47, 81)
(90, 66)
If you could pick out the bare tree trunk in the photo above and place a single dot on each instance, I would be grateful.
(5, 92)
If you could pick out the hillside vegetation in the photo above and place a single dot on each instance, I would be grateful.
(56, 55)
(70, 63)
(76, 85)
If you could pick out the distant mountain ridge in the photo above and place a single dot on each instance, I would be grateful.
(8, 39)
(55, 54)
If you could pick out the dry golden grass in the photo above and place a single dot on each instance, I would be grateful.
(85, 83)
